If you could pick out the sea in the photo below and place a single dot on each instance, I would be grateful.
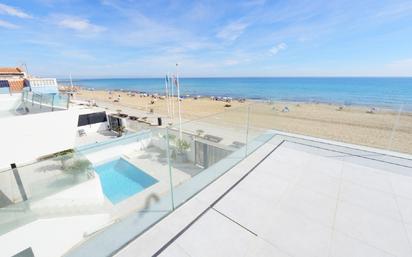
(390, 92)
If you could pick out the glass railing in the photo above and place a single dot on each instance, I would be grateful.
(39, 189)
(147, 175)
(386, 128)
(191, 155)
(401, 137)
(200, 151)
(42, 102)
(182, 158)
(137, 184)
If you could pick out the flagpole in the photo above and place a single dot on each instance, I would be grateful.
(167, 95)
(170, 95)
(172, 101)
(178, 102)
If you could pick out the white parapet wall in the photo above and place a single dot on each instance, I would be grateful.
(8, 104)
(50, 237)
(24, 138)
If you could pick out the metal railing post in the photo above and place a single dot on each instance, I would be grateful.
(52, 103)
(18, 181)
(170, 167)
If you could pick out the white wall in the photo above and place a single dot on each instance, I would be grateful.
(9, 102)
(50, 237)
(94, 127)
(67, 215)
(24, 138)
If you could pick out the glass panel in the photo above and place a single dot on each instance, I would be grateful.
(43, 102)
(204, 149)
(260, 124)
(39, 189)
(401, 135)
(116, 189)
(358, 125)
(133, 170)
(61, 101)
(374, 179)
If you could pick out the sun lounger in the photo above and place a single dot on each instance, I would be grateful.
(214, 139)
(238, 144)
(142, 119)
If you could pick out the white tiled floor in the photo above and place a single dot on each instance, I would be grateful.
(345, 246)
(301, 204)
(374, 229)
(405, 206)
(402, 185)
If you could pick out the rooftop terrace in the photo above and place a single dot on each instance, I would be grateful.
(223, 186)
(293, 196)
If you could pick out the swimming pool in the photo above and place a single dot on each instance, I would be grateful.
(120, 179)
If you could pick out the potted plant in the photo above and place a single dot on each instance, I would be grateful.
(72, 165)
(79, 167)
(120, 130)
(63, 157)
(181, 147)
(199, 132)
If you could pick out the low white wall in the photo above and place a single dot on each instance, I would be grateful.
(64, 216)
(50, 237)
(88, 194)
(115, 151)
(95, 127)
(26, 137)
(9, 102)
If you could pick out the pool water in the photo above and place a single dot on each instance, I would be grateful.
(120, 179)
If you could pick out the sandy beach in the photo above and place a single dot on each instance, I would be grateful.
(383, 128)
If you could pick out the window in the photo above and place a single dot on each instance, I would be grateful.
(91, 118)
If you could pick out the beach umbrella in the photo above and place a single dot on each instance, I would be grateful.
(71, 81)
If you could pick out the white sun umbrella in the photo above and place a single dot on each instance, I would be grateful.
(71, 81)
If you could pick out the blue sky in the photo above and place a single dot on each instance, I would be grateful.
(114, 38)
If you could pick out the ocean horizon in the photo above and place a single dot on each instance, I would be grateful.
(388, 92)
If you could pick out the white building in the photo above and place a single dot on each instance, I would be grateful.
(43, 85)
(11, 73)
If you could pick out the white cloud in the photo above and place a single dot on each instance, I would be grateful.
(395, 11)
(78, 54)
(231, 62)
(8, 25)
(79, 24)
(12, 11)
(400, 67)
(277, 48)
(232, 31)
